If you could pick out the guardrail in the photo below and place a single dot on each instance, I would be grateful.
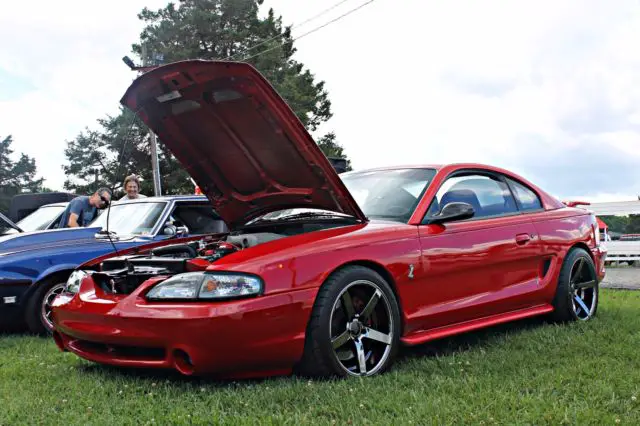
(623, 251)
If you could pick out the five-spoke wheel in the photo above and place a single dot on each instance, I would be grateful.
(355, 326)
(577, 291)
(583, 286)
(361, 328)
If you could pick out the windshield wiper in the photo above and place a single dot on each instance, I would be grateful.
(10, 223)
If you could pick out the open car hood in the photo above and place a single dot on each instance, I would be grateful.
(238, 139)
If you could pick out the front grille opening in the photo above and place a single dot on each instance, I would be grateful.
(121, 351)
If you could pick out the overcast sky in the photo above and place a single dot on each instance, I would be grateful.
(549, 89)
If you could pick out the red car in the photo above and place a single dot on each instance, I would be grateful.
(321, 274)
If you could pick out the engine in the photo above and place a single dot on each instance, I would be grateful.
(123, 274)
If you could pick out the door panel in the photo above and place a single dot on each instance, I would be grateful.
(477, 268)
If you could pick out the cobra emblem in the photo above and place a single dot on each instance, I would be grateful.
(411, 271)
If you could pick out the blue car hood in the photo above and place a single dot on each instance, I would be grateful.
(39, 240)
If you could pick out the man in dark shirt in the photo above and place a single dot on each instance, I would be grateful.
(82, 210)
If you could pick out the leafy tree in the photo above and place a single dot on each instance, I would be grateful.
(16, 176)
(121, 147)
(633, 227)
(616, 223)
(331, 148)
(204, 29)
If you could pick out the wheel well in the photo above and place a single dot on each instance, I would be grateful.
(584, 247)
(384, 273)
(58, 275)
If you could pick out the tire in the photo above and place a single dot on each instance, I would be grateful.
(34, 315)
(577, 280)
(367, 337)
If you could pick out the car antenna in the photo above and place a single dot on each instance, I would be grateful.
(124, 144)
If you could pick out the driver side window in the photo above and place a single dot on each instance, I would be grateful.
(487, 195)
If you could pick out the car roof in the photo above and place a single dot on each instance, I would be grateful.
(64, 204)
(164, 198)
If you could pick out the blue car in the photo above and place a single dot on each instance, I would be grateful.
(34, 266)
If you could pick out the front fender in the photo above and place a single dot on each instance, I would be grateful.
(44, 276)
(54, 269)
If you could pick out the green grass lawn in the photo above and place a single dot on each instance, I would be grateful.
(524, 373)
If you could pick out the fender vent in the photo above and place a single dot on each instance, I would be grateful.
(546, 264)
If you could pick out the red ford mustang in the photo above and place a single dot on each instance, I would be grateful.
(320, 274)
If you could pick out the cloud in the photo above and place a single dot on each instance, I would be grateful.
(549, 89)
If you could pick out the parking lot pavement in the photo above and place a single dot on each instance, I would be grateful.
(627, 278)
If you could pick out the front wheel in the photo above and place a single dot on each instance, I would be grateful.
(38, 313)
(577, 291)
(354, 328)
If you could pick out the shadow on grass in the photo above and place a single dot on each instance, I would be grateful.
(438, 348)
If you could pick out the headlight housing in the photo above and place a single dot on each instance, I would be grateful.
(206, 286)
(74, 281)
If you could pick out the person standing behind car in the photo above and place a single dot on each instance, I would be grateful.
(132, 188)
(82, 210)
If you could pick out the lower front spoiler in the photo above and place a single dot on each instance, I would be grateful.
(236, 339)
(126, 356)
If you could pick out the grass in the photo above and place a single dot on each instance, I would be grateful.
(529, 372)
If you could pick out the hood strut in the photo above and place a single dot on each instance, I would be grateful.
(10, 223)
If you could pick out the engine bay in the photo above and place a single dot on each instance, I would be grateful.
(123, 274)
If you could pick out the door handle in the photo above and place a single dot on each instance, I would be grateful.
(523, 239)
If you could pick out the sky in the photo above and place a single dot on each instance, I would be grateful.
(548, 89)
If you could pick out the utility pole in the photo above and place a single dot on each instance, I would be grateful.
(155, 166)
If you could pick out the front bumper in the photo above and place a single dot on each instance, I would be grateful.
(241, 338)
(12, 293)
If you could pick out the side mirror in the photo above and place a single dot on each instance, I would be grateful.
(182, 231)
(453, 211)
(169, 229)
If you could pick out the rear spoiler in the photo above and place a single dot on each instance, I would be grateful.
(576, 203)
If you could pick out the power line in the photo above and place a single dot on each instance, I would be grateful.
(313, 18)
(313, 30)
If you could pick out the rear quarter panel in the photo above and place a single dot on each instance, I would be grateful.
(560, 230)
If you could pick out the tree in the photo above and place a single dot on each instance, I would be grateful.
(331, 148)
(204, 29)
(121, 147)
(16, 176)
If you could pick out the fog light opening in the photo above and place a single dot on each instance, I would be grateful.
(182, 362)
(59, 342)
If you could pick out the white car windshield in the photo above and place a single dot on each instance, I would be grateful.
(131, 218)
(388, 194)
(41, 218)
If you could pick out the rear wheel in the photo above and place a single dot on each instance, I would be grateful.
(577, 291)
(38, 312)
(354, 328)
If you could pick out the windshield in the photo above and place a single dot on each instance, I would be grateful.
(131, 218)
(41, 218)
(389, 194)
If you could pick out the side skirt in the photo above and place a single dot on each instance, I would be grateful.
(463, 327)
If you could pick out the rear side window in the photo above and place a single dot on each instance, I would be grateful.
(526, 197)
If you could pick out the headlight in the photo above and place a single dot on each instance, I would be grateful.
(73, 283)
(206, 286)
